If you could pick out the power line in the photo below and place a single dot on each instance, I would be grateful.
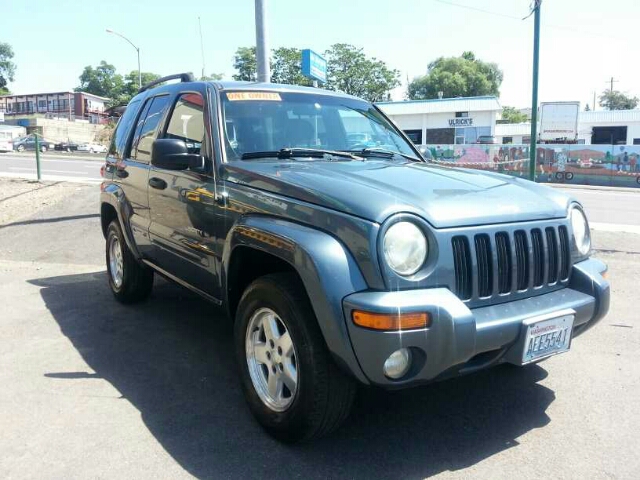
(546, 25)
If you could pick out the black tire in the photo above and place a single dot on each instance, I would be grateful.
(43, 149)
(324, 393)
(137, 279)
(20, 148)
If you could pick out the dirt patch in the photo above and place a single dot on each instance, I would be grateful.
(22, 198)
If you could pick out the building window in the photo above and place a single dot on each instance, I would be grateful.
(636, 141)
(462, 114)
(507, 140)
(42, 104)
(414, 135)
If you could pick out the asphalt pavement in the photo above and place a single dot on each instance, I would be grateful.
(54, 166)
(95, 389)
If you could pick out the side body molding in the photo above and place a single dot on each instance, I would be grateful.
(326, 268)
(114, 196)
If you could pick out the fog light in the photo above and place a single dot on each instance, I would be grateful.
(398, 363)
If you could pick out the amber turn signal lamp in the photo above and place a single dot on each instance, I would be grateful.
(391, 321)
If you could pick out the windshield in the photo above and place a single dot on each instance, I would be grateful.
(271, 121)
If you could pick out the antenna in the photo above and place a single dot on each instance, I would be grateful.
(201, 46)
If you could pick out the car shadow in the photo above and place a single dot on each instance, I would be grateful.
(172, 358)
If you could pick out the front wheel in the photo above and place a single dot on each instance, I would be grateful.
(43, 149)
(130, 281)
(292, 386)
(20, 148)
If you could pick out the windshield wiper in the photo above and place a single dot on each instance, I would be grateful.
(284, 153)
(382, 153)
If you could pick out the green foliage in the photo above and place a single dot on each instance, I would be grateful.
(105, 82)
(463, 76)
(286, 67)
(349, 70)
(7, 67)
(244, 61)
(616, 100)
(587, 108)
(511, 115)
(212, 77)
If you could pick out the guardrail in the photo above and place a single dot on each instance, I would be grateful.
(602, 165)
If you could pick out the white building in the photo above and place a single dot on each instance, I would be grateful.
(603, 127)
(445, 121)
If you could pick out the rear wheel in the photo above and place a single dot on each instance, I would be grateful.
(43, 148)
(130, 281)
(292, 386)
(20, 148)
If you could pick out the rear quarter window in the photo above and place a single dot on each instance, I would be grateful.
(123, 129)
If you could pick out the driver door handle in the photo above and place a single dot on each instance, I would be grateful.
(158, 183)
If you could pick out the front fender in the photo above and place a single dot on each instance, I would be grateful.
(327, 269)
(113, 195)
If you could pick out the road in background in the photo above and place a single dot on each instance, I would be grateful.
(71, 167)
(603, 206)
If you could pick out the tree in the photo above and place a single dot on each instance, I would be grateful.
(102, 81)
(616, 100)
(212, 77)
(350, 71)
(105, 82)
(511, 115)
(463, 76)
(244, 61)
(587, 108)
(7, 67)
(286, 67)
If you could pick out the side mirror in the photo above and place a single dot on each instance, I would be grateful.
(172, 154)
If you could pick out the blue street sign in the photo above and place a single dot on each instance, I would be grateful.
(314, 66)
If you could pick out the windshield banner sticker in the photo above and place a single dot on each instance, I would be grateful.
(235, 96)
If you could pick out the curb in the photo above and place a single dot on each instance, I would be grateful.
(592, 187)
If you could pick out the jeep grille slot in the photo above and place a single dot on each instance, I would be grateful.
(483, 257)
(565, 253)
(522, 259)
(552, 247)
(504, 262)
(510, 262)
(537, 248)
(462, 267)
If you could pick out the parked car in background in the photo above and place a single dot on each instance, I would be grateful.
(68, 146)
(6, 145)
(92, 148)
(29, 143)
(487, 139)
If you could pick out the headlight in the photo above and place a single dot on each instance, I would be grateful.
(405, 248)
(581, 233)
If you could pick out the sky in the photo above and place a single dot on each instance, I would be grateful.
(583, 43)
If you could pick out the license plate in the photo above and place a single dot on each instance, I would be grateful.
(547, 336)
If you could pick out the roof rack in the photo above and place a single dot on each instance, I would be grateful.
(184, 77)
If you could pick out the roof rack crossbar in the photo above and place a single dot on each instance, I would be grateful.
(184, 77)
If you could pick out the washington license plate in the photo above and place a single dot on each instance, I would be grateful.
(546, 337)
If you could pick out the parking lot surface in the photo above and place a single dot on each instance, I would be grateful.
(94, 389)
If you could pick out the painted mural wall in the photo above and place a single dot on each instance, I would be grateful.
(603, 165)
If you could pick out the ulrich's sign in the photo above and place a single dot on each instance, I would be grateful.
(461, 122)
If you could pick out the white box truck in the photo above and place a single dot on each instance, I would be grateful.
(559, 122)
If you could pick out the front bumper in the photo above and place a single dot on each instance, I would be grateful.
(461, 340)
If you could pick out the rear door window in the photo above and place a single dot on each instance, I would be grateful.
(119, 141)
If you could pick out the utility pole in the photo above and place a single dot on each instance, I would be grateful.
(534, 96)
(594, 101)
(612, 81)
(201, 47)
(262, 42)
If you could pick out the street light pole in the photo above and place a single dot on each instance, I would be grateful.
(137, 50)
(262, 42)
(534, 98)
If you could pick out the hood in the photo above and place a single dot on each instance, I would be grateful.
(375, 189)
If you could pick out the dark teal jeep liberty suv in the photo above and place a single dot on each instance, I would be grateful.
(342, 256)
